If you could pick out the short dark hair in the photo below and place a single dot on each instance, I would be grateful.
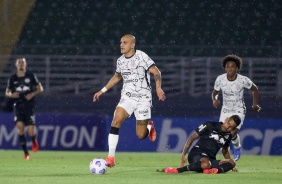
(233, 58)
(236, 119)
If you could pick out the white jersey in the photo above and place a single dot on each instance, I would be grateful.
(135, 75)
(233, 92)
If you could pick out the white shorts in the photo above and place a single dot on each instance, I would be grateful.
(224, 115)
(141, 108)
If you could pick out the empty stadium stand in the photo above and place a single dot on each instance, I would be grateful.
(72, 47)
(160, 26)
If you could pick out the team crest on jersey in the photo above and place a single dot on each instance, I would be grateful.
(217, 138)
(27, 80)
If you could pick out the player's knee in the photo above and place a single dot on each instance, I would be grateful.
(205, 163)
(116, 123)
(20, 131)
(226, 166)
(141, 135)
(230, 161)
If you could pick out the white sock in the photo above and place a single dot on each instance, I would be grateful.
(236, 143)
(112, 142)
(149, 127)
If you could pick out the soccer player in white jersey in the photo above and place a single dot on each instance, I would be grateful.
(134, 68)
(232, 85)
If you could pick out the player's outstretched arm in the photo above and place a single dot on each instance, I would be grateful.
(215, 100)
(112, 82)
(9, 94)
(225, 152)
(158, 80)
(255, 94)
(187, 146)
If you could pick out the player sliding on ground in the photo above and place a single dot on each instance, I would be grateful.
(202, 157)
(134, 68)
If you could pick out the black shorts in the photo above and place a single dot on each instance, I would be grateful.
(24, 114)
(197, 153)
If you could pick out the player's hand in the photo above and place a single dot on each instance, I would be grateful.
(29, 96)
(14, 95)
(256, 107)
(235, 169)
(183, 161)
(216, 103)
(161, 94)
(97, 96)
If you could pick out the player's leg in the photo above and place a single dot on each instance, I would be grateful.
(144, 126)
(141, 129)
(236, 144)
(198, 161)
(30, 122)
(123, 110)
(20, 126)
(236, 138)
(224, 165)
(198, 166)
(31, 132)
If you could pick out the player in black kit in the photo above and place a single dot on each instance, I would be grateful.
(202, 157)
(23, 87)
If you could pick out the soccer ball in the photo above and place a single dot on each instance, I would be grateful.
(98, 166)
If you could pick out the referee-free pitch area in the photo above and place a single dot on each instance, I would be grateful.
(139, 167)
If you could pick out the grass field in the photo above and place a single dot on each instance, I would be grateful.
(72, 167)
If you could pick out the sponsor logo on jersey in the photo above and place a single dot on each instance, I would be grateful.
(134, 95)
(143, 111)
(126, 73)
(131, 80)
(22, 88)
(201, 127)
(218, 138)
(228, 94)
(27, 80)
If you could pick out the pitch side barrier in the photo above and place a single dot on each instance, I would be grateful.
(58, 132)
(90, 133)
(258, 136)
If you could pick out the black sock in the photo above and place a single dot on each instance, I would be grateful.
(234, 138)
(23, 143)
(183, 169)
(225, 167)
(147, 133)
(33, 138)
(114, 130)
(196, 166)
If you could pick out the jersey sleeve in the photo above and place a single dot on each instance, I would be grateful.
(118, 69)
(35, 80)
(9, 84)
(247, 83)
(202, 128)
(148, 62)
(217, 84)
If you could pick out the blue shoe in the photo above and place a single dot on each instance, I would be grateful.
(237, 153)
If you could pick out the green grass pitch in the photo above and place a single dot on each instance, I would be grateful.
(72, 167)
